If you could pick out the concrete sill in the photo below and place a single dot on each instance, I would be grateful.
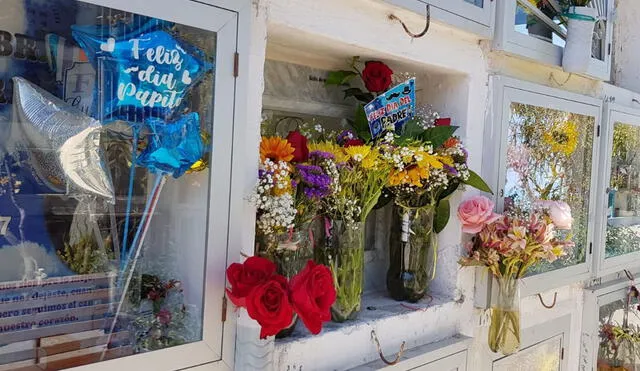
(342, 346)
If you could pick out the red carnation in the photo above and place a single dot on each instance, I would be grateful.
(353, 143)
(376, 76)
(269, 305)
(299, 144)
(442, 122)
(312, 295)
(245, 277)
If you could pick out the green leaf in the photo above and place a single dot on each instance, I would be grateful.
(449, 191)
(477, 182)
(358, 94)
(443, 211)
(361, 124)
(438, 135)
(339, 77)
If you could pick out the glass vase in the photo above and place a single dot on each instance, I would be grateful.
(343, 253)
(290, 252)
(412, 253)
(504, 331)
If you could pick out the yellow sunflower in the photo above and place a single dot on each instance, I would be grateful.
(276, 149)
(372, 160)
(562, 138)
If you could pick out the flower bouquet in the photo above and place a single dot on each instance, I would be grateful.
(359, 174)
(428, 165)
(291, 186)
(508, 245)
(619, 346)
(273, 300)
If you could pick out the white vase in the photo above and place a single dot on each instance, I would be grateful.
(577, 51)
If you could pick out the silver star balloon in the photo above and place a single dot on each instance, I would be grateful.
(63, 143)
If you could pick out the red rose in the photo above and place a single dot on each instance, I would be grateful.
(376, 76)
(245, 277)
(442, 122)
(299, 144)
(312, 294)
(164, 317)
(269, 305)
(353, 142)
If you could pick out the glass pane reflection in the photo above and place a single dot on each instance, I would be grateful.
(623, 213)
(478, 3)
(549, 157)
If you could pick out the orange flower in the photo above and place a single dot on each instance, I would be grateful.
(276, 149)
(451, 142)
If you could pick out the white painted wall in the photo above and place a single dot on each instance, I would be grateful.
(455, 68)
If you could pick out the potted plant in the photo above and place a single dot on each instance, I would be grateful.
(580, 26)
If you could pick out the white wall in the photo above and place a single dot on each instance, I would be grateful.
(456, 67)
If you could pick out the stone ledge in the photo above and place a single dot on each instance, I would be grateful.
(346, 345)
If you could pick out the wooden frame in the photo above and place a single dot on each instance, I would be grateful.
(604, 266)
(507, 39)
(506, 91)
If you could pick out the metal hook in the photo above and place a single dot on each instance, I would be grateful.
(393, 17)
(553, 79)
(555, 298)
(382, 357)
(629, 275)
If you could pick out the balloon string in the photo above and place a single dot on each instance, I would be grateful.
(152, 202)
(138, 239)
(132, 174)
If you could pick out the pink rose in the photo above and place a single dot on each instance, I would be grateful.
(475, 213)
(559, 212)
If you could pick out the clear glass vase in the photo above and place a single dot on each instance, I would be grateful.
(343, 253)
(290, 252)
(504, 331)
(412, 253)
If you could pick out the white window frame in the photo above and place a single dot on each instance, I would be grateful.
(458, 13)
(230, 20)
(536, 335)
(594, 298)
(604, 266)
(509, 40)
(506, 91)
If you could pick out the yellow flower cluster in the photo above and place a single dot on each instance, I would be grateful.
(337, 151)
(413, 165)
(364, 155)
(562, 138)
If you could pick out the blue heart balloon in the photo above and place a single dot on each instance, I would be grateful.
(141, 73)
(173, 146)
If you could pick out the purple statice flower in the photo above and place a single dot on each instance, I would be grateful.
(314, 182)
(452, 170)
(344, 136)
(321, 155)
(294, 183)
(465, 152)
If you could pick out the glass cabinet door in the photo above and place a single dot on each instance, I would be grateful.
(620, 206)
(618, 328)
(114, 182)
(549, 153)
